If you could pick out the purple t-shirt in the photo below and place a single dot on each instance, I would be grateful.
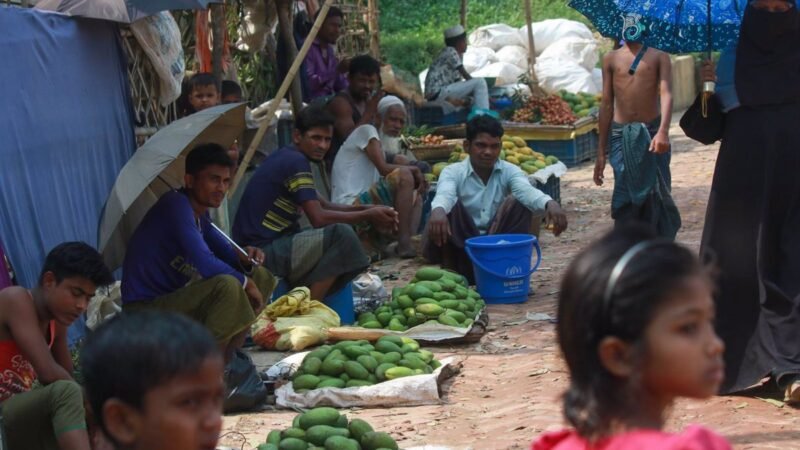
(323, 76)
(168, 248)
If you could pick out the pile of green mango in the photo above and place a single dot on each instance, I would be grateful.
(324, 428)
(434, 295)
(359, 363)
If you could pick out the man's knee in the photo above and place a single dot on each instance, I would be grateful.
(405, 178)
(63, 393)
(226, 285)
(343, 233)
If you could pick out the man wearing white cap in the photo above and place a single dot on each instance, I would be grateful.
(448, 80)
(361, 175)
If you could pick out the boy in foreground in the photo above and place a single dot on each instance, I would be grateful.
(154, 382)
(33, 344)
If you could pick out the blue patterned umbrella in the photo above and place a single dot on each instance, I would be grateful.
(674, 26)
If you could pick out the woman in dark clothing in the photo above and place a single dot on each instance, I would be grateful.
(753, 219)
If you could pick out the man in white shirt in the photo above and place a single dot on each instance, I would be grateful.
(482, 195)
(361, 176)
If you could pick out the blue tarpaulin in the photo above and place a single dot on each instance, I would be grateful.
(66, 129)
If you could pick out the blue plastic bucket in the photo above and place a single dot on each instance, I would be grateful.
(502, 264)
(341, 301)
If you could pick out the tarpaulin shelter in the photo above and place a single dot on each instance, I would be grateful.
(66, 128)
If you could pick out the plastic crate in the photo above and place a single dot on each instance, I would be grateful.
(571, 144)
(551, 188)
(434, 116)
(571, 152)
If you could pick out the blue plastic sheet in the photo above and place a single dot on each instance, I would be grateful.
(66, 129)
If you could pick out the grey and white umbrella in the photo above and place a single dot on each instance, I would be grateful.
(158, 167)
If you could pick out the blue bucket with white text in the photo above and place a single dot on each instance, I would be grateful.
(502, 264)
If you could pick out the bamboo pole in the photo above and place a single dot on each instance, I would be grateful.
(262, 128)
(464, 14)
(374, 29)
(531, 44)
(286, 29)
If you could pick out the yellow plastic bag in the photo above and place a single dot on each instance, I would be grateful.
(293, 322)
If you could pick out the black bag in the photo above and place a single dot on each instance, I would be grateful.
(244, 388)
(708, 129)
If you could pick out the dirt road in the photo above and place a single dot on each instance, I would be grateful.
(508, 391)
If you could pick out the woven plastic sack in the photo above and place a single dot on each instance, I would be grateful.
(495, 36)
(547, 32)
(293, 322)
(514, 54)
(160, 39)
(477, 58)
(555, 74)
(504, 73)
(582, 51)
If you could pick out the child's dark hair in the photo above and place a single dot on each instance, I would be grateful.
(133, 353)
(205, 155)
(230, 87)
(364, 65)
(77, 259)
(484, 124)
(313, 116)
(332, 12)
(203, 79)
(648, 275)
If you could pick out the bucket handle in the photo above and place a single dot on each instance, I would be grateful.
(510, 277)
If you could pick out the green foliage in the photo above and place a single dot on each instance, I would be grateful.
(411, 30)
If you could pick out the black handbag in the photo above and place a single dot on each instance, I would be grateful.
(704, 121)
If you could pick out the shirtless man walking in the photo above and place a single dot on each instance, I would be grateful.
(635, 116)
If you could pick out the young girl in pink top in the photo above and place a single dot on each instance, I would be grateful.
(636, 328)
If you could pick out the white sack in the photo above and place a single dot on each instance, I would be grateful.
(503, 72)
(546, 32)
(514, 54)
(477, 58)
(597, 76)
(494, 36)
(582, 51)
(422, 76)
(555, 74)
(407, 391)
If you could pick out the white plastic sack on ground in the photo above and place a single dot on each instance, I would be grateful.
(542, 175)
(495, 36)
(160, 39)
(368, 291)
(546, 32)
(504, 73)
(582, 51)
(407, 391)
(106, 304)
(477, 58)
(555, 74)
(514, 54)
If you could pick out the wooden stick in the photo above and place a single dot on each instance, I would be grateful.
(262, 128)
(374, 29)
(536, 90)
(531, 44)
(285, 28)
(464, 14)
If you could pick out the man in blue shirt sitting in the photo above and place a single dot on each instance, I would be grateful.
(482, 195)
(177, 261)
